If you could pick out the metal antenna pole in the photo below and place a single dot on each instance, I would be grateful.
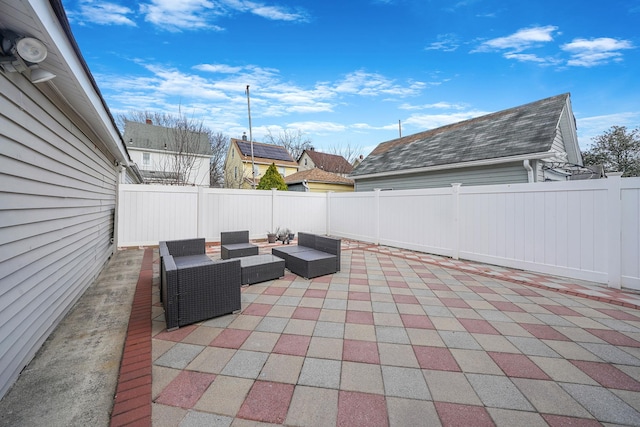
(253, 167)
(400, 128)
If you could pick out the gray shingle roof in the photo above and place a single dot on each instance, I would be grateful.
(526, 129)
(144, 135)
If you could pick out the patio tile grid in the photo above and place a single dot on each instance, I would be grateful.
(393, 340)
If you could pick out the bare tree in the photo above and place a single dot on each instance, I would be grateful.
(235, 178)
(347, 151)
(183, 139)
(293, 141)
(219, 147)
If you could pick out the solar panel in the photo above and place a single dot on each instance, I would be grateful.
(265, 151)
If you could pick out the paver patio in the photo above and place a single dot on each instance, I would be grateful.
(399, 338)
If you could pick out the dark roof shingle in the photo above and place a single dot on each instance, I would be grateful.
(329, 162)
(526, 129)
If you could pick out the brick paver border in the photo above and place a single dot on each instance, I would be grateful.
(132, 402)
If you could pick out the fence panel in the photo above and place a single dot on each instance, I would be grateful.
(354, 216)
(556, 228)
(417, 220)
(148, 214)
(630, 236)
(232, 210)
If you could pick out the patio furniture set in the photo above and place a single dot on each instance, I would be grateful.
(193, 287)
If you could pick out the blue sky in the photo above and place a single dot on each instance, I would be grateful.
(345, 72)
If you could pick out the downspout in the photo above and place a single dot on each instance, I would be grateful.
(529, 169)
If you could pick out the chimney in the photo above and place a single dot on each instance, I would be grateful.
(244, 136)
(149, 121)
(312, 148)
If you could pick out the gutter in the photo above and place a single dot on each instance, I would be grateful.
(485, 162)
(527, 166)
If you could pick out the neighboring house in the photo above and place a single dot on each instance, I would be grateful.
(169, 155)
(60, 166)
(237, 165)
(318, 181)
(532, 143)
(333, 163)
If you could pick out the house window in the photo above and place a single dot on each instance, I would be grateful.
(235, 172)
(146, 160)
(282, 170)
(305, 162)
(256, 171)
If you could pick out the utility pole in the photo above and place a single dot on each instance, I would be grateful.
(253, 167)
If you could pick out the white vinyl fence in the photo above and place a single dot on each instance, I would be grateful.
(148, 214)
(588, 230)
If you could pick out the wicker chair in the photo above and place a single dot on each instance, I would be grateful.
(195, 288)
(235, 244)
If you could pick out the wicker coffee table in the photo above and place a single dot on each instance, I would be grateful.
(260, 268)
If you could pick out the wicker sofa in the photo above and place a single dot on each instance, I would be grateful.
(192, 286)
(313, 256)
(235, 244)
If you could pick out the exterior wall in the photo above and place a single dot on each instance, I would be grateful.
(58, 199)
(309, 163)
(161, 161)
(509, 173)
(320, 187)
(234, 160)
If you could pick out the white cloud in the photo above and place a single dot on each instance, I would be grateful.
(520, 40)
(218, 68)
(275, 13)
(437, 105)
(180, 15)
(445, 43)
(589, 53)
(372, 84)
(105, 13)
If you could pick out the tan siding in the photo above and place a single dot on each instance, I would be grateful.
(58, 198)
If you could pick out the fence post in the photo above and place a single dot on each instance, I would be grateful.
(273, 208)
(199, 213)
(455, 220)
(328, 213)
(614, 249)
(376, 214)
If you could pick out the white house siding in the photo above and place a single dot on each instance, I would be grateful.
(57, 203)
(161, 161)
(487, 175)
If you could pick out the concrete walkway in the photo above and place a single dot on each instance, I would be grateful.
(72, 379)
(395, 338)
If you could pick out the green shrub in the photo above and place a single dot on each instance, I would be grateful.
(272, 179)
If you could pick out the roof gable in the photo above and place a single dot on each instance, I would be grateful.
(522, 130)
(149, 136)
(317, 175)
(329, 162)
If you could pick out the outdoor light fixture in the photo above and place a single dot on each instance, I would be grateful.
(19, 54)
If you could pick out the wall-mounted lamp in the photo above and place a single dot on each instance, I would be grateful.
(19, 54)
